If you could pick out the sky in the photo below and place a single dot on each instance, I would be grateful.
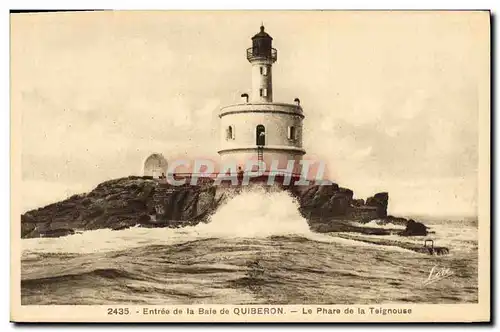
(391, 100)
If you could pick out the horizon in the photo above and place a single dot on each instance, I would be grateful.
(101, 91)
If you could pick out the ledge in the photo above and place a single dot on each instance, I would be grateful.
(277, 148)
(283, 108)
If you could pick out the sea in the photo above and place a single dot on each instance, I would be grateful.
(256, 249)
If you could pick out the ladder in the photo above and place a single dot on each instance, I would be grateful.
(260, 153)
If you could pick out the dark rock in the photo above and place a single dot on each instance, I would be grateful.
(58, 232)
(414, 228)
(393, 220)
(323, 201)
(144, 218)
(86, 201)
(346, 226)
(27, 228)
(358, 202)
(380, 201)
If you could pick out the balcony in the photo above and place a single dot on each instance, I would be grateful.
(257, 54)
(262, 107)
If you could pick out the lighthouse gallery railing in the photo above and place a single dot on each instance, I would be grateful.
(253, 53)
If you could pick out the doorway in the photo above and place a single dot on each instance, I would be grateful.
(261, 135)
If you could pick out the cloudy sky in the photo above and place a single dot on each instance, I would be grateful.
(391, 99)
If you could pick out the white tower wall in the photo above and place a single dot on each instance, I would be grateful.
(277, 127)
(280, 157)
(262, 81)
(283, 133)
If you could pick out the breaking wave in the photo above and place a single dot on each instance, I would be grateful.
(256, 213)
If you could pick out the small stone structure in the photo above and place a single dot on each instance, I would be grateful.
(155, 166)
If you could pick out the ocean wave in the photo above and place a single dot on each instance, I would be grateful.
(276, 269)
(377, 223)
(109, 273)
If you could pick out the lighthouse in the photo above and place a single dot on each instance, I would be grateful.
(259, 129)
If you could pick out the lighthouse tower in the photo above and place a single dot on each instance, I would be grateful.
(259, 129)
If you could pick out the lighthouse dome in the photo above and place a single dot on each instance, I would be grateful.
(262, 34)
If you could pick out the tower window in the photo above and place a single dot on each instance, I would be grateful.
(291, 133)
(263, 92)
(229, 133)
(263, 70)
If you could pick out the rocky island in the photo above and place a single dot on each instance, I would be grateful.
(145, 202)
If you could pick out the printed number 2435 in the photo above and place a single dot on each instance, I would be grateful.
(118, 311)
